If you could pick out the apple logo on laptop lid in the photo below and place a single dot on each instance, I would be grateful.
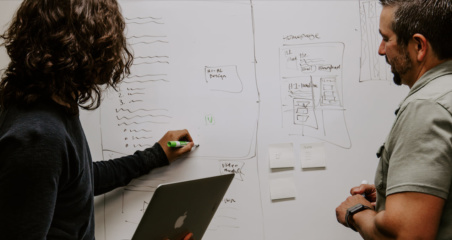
(180, 221)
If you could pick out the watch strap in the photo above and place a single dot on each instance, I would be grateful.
(353, 210)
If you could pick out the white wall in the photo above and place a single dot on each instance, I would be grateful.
(242, 77)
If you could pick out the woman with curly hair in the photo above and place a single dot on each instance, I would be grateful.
(63, 53)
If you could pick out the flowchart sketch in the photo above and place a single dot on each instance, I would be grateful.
(373, 66)
(311, 88)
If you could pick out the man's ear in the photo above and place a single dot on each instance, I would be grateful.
(421, 46)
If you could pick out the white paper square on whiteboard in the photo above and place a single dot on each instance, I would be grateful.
(282, 188)
(313, 155)
(281, 155)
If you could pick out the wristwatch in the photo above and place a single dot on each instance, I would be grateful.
(353, 210)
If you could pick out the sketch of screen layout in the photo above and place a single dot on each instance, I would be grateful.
(311, 88)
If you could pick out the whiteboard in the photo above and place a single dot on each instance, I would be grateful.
(254, 82)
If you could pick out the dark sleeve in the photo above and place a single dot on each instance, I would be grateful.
(29, 177)
(114, 173)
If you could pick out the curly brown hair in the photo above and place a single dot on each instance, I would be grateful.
(64, 49)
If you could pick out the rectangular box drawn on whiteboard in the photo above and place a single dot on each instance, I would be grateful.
(178, 86)
(311, 91)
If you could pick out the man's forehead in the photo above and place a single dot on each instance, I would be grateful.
(387, 13)
(386, 19)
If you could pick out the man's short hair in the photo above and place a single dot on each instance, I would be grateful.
(431, 18)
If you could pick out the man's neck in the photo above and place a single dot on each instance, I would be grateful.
(424, 67)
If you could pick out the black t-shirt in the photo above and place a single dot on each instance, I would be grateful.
(47, 177)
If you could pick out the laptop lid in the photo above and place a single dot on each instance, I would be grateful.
(177, 209)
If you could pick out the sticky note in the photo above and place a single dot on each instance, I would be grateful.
(313, 155)
(281, 155)
(282, 188)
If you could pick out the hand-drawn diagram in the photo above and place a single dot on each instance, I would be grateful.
(311, 90)
(177, 45)
(224, 79)
(170, 89)
(373, 66)
(141, 115)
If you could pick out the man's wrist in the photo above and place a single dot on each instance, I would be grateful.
(352, 211)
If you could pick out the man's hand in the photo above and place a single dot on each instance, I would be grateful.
(351, 201)
(369, 191)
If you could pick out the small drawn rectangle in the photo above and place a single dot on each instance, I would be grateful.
(302, 111)
(328, 94)
(328, 87)
(302, 118)
(302, 103)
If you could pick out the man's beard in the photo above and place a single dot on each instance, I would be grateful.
(400, 65)
(397, 79)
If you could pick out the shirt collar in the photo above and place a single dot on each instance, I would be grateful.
(437, 71)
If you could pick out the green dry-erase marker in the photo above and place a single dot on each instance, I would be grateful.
(179, 144)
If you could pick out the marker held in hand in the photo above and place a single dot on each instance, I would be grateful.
(179, 144)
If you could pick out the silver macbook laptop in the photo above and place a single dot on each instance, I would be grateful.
(177, 209)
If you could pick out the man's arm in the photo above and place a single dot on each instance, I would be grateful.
(408, 215)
